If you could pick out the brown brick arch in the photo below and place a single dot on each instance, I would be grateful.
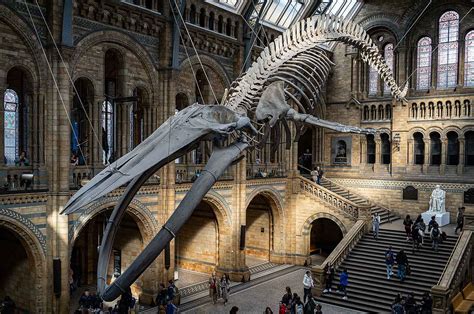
(28, 36)
(142, 216)
(36, 257)
(121, 39)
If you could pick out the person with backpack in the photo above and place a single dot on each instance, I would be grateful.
(310, 306)
(435, 236)
(459, 220)
(329, 277)
(308, 283)
(415, 236)
(299, 306)
(376, 225)
(320, 175)
(432, 223)
(213, 287)
(287, 297)
(225, 288)
(389, 260)
(343, 283)
(402, 262)
(407, 222)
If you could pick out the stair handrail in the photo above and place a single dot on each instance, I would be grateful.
(454, 273)
(348, 191)
(348, 207)
(340, 252)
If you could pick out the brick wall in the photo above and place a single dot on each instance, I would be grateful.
(196, 244)
(257, 243)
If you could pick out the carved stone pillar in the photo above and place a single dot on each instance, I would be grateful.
(363, 150)
(427, 160)
(378, 151)
(444, 154)
(462, 155)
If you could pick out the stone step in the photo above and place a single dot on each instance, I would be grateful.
(369, 289)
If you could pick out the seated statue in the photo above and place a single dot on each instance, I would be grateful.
(437, 200)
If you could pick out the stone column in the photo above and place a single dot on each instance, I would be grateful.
(378, 151)
(444, 155)
(462, 155)
(427, 160)
(363, 150)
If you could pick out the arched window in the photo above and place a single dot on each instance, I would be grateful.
(370, 149)
(385, 148)
(453, 148)
(366, 113)
(419, 148)
(192, 14)
(220, 24)
(202, 18)
(422, 110)
(457, 108)
(388, 112)
(80, 144)
(373, 81)
(469, 148)
(390, 60)
(414, 111)
(107, 125)
(228, 27)
(211, 21)
(11, 133)
(431, 110)
(469, 60)
(202, 89)
(467, 108)
(181, 101)
(439, 110)
(448, 49)
(373, 113)
(435, 148)
(423, 64)
(136, 118)
(449, 109)
(381, 113)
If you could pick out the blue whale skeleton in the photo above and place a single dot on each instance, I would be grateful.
(292, 68)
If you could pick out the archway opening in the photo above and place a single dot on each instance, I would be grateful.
(259, 231)
(17, 272)
(419, 149)
(197, 246)
(80, 137)
(453, 148)
(84, 256)
(435, 148)
(17, 99)
(325, 236)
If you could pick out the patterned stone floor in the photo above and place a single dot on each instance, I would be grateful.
(256, 298)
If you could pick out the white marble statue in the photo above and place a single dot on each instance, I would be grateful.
(437, 200)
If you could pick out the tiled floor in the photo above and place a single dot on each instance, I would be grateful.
(255, 299)
(189, 277)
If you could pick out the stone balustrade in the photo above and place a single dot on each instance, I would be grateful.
(338, 255)
(335, 200)
(456, 274)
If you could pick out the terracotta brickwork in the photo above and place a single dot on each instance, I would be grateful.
(142, 42)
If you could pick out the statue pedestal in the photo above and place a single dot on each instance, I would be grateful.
(441, 218)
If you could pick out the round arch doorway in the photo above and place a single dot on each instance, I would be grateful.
(325, 236)
(84, 256)
(17, 272)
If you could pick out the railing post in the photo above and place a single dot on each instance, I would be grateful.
(319, 280)
(440, 299)
(365, 214)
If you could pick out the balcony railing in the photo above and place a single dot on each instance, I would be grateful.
(265, 171)
(79, 174)
(186, 173)
(16, 179)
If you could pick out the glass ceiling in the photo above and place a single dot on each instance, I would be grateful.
(281, 14)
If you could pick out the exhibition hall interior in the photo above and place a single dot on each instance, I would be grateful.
(236, 156)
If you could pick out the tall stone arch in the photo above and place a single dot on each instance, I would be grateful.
(35, 245)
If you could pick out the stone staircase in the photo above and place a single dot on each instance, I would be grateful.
(369, 289)
(385, 214)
